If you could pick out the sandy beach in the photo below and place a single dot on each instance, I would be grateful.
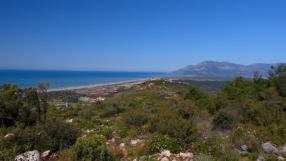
(102, 89)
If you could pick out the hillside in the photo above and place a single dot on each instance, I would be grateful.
(214, 68)
(159, 119)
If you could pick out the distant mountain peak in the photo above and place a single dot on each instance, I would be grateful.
(215, 68)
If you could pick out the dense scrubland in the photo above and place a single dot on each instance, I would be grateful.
(142, 121)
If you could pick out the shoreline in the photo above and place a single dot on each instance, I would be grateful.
(100, 85)
(193, 77)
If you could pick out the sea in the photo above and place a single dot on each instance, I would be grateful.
(71, 79)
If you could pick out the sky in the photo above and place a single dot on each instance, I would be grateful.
(139, 35)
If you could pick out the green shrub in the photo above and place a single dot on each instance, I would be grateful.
(111, 111)
(257, 113)
(203, 157)
(230, 158)
(224, 120)
(54, 135)
(252, 156)
(220, 102)
(274, 133)
(159, 142)
(248, 137)
(271, 157)
(195, 93)
(210, 146)
(183, 130)
(106, 131)
(86, 113)
(91, 149)
(176, 122)
(123, 131)
(70, 114)
(57, 135)
(136, 118)
(20, 142)
(184, 108)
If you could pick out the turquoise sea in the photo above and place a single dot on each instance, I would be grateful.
(69, 79)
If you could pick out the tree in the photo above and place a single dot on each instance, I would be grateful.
(43, 95)
(18, 105)
(278, 77)
(10, 97)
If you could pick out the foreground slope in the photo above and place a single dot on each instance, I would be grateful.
(156, 120)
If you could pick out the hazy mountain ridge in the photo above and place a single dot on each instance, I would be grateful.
(214, 68)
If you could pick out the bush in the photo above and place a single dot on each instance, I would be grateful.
(183, 130)
(274, 133)
(230, 158)
(271, 157)
(212, 146)
(224, 120)
(20, 142)
(86, 113)
(252, 156)
(203, 157)
(159, 142)
(220, 102)
(70, 114)
(194, 93)
(54, 135)
(57, 135)
(241, 137)
(136, 118)
(123, 131)
(107, 112)
(106, 131)
(92, 148)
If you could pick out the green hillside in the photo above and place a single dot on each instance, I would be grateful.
(143, 121)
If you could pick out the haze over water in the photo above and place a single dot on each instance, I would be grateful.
(68, 79)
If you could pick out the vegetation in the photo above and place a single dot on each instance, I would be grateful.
(210, 86)
(91, 148)
(63, 96)
(157, 114)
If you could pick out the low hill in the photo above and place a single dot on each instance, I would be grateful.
(214, 68)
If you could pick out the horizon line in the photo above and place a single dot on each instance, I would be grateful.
(65, 70)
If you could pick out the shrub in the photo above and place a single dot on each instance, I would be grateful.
(136, 118)
(107, 112)
(184, 108)
(123, 131)
(252, 156)
(241, 137)
(210, 146)
(203, 157)
(271, 157)
(20, 142)
(224, 120)
(220, 102)
(257, 113)
(70, 114)
(86, 113)
(274, 133)
(92, 148)
(54, 135)
(159, 142)
(57, 135)
(106, 131)
(183, 130)
(194, 93)
(230, 158)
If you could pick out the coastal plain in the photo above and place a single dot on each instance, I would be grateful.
(102, 90)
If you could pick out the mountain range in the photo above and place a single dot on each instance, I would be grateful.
(214, 68)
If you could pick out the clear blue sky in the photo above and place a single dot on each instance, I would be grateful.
(139, 35)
